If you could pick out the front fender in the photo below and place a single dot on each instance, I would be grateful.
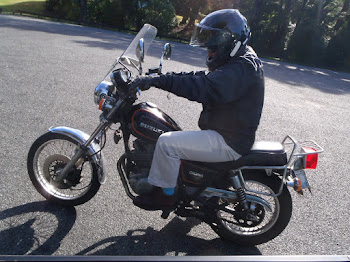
(81, 138)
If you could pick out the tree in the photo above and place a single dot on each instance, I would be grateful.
(338, 48)
(83, 11)
(112, 13)
(69, 9)
(312, 29)
(194, 13)
(281, 23)
(156, 12)
(343, 15)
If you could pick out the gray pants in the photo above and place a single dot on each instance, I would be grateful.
(203, 146)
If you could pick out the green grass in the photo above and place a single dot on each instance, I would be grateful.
(32, 6)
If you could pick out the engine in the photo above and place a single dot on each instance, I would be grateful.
(142, 155)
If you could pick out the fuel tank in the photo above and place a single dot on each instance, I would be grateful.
(149, 122)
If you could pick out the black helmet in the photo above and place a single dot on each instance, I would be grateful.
(225, 31)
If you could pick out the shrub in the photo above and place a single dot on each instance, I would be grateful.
(158, 13)
(68, 9)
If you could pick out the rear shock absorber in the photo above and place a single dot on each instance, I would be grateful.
(238, 185)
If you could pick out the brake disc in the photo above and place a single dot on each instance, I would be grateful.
(55, 163)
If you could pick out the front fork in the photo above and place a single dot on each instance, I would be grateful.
(81, 152)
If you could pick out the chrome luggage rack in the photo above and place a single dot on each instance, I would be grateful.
(293, 157)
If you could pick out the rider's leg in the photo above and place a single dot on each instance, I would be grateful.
(203, 146)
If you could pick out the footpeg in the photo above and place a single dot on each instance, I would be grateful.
(165, 214)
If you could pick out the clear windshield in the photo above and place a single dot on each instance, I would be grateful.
(148, 33)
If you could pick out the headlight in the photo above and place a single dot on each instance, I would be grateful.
(103, 90)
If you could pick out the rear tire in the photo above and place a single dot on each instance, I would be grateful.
(47, 155)
(247, 232)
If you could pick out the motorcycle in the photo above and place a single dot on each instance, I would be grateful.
(245, 201)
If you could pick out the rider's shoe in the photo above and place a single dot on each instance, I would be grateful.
(157, 200)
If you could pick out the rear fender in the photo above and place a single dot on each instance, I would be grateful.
(81, 138)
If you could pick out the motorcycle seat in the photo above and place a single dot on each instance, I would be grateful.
(263, 153)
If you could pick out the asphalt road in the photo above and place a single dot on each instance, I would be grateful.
(48, 72)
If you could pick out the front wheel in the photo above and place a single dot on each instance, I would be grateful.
(47, 156)
(261, 225)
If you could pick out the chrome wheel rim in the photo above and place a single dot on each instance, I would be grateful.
(266, 219)
(50, 157)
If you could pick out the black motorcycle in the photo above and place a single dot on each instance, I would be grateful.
(244, 201)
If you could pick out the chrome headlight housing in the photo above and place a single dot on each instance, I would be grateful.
(103, 90)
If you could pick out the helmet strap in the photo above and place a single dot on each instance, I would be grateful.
(235, 49)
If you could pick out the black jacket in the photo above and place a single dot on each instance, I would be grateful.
(232, 97)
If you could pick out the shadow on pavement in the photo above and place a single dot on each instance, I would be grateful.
(35, 228)
(302, 76)
(171, 240)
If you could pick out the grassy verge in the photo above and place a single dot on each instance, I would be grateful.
(32, 6)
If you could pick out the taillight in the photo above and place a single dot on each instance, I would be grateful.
(311, 158)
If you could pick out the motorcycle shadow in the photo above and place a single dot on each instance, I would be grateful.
(171, 240)
(34, 228)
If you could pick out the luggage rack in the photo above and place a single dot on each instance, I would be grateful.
(293, 158)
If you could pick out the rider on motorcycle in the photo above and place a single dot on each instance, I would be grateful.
(232, 95)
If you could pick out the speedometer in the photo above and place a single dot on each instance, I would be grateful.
(120, 77)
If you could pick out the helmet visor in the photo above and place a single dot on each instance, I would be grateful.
(204, 36)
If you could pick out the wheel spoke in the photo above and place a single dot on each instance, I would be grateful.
(53, 156)
(236, 219)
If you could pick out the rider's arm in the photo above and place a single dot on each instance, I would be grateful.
(225, 84)
(197, 73)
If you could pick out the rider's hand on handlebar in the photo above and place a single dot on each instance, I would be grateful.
(142, 82)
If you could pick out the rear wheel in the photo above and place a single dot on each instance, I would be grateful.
(47, 156)
(261, 225)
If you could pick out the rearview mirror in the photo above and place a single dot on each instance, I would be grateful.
(167, 51)
(140, 50)
(167, 54)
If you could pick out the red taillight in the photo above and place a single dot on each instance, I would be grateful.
(310, 159)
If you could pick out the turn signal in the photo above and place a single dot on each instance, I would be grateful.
(311, 159)
(100, 105)
(295, 183)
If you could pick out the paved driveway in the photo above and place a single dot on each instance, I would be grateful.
(48, 72)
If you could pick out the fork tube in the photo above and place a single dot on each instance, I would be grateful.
(98, 130)
(84, 148)
(80, 152)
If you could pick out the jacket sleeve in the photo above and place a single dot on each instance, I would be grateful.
(223, 85)
(187, 73)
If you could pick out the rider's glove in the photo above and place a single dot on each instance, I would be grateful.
(142, 82)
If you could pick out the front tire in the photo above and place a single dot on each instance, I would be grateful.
(50, 153)
(267, 225)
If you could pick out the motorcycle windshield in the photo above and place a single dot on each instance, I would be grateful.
(148, 33)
